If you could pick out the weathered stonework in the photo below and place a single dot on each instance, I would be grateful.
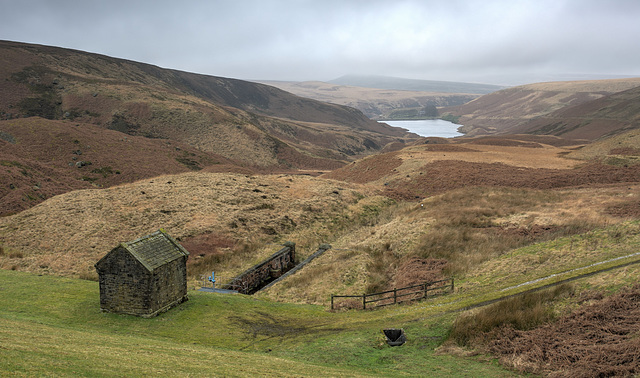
(256, 277)
(143, 277)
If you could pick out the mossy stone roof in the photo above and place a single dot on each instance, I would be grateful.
(155, 250)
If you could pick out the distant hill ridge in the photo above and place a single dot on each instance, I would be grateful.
(253, 123)
(572, 109)
(74, 120)
(379, 104)
(387, 82)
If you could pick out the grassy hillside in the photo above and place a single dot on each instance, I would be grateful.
(214, 214)
(575, 110)
(379, 104)
(620, 150)
(248, 122)
(604, 117)
(41, 158)
(497, 242)
(425, 201)
(516, 161)
(386, 82)
(52, 325)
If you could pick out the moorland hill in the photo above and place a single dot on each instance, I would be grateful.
(403, 84)
(41, 158)
(99, 151)
(574, 110)
(385, 98)
(376, 103)
(72, 120)
(229, 220)
(252, 123)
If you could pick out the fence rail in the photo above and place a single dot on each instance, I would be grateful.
(405, 294)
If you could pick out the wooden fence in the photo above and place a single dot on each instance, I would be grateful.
(405, 294)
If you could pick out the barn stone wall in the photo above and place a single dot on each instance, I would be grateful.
(124, 284)
(127, 287)
(169, 285)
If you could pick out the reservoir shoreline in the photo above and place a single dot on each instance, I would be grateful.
(428, 127)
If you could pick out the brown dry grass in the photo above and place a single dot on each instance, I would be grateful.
(422, 171)
(509, 110)
(40, 161)
(232, 221)
(519, 151)
(610, 85)
(472, 229)
(598, 339)
(518, 154)
(625, 144)
(242, 121)
(523, 312)
(68, 233)
(375, 103)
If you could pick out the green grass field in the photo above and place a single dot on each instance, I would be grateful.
(51, 325)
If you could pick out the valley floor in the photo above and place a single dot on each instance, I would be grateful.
(494, 214)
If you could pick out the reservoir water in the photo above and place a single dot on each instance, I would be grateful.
(428, 127)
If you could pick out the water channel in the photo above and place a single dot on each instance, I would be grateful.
(428, 127)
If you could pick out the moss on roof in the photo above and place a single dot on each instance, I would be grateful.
(155, 250)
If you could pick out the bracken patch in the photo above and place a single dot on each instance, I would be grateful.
(598, 340)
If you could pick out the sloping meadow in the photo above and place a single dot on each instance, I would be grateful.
(68, 233)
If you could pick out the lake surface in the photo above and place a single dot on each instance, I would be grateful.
(428, 127)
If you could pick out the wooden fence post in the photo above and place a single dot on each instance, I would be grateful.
(395, 296)
(331, 302)
(426, 287)
(364, 301)
(452, 284)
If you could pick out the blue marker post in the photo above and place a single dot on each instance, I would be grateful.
(212, 279)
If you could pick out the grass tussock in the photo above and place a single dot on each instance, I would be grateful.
(466, 247)
(522, 312)
(467, 230)
(382, 264)
(223, 256)
(89, 276)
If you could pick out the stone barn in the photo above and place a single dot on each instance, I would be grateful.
(143, 277)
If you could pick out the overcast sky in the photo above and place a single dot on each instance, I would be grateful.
(485, 41)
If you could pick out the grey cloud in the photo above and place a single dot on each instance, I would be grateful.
(509, 41)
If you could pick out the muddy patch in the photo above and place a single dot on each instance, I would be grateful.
(262, 326)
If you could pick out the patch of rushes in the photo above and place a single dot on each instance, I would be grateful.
(466, 231)
(562, 257)
(504, 278)
(523, 312)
